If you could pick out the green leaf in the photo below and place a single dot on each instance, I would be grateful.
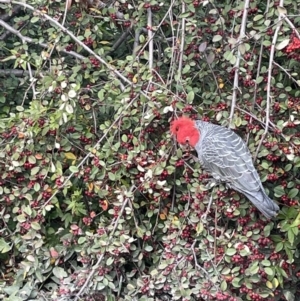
(59, 272)
(4, 246)
(236, 282)
(217, 38)
(148, 248)
(279, 247)
(35, 170)
(112, 176)
(289, 296)
(279, 191)
(291, 236)
(269, 271)
(35, 226)
(266, 263)
(293, 192)
(223, 285)
(109, 261)
(73, 169)
(34, 19)
(258, 17)
(282, 44)
(230, 251)
(190, 96)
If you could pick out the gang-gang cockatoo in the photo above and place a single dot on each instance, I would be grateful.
(226, 157)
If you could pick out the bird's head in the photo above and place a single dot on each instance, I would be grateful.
(185, 131)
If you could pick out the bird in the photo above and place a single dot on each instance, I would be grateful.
(224, 155)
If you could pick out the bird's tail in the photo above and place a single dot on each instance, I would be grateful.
(263, 203)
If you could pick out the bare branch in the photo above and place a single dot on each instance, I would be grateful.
(238, 59)
(271, 60)
(182, 42)
(136, 40)
(120, 40)
(287, 73)
(150, 37)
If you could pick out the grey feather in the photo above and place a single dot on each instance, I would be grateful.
(225, 155)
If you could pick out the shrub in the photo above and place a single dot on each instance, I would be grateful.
(97, 201)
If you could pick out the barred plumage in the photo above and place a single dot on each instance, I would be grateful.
(226, 157)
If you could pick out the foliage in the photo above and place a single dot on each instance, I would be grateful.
(96, 200)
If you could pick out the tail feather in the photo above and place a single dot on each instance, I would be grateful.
(263, 203)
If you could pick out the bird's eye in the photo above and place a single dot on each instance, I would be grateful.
(177, 129)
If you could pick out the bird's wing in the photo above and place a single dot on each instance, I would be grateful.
(226, 156)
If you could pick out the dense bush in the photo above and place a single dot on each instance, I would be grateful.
(97, 202)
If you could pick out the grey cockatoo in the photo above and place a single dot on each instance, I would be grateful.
(226, 157)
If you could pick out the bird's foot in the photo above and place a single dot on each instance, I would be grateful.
(211, 182)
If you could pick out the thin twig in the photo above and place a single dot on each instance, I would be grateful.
(171, 69)
(271, 60)
(286, 72)
(213, 73)
(120, 40)
(195, 258)
(255, 85)
(154, 33)
(238, 59)
(287, 20)
(136, 41)
(182, 42)
(150, 37)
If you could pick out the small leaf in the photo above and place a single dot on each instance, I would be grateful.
(69, 109)
(112, 176)
(269, 284)
(242, 48)
(190, 96)
(210, 58)
(35, 226)
(279, 247)
(281, 10)
(230, 251)
(109, 261)
(217, 38)
(32, 159)
(72, 94)
(232, 41)
(269, 271)
(148, 248)
(223, 285)
(59, 272)
(202, 47)
(293, 192)
(34, 19)
(258, 17)
(73, 169)
(70, 156)
(4, 246)
(282, 44)
(35, 170)
(289, 296)
(275, 282)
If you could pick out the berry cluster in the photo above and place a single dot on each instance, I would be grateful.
(294, 45)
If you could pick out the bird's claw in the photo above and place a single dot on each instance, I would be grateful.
(211, 183)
